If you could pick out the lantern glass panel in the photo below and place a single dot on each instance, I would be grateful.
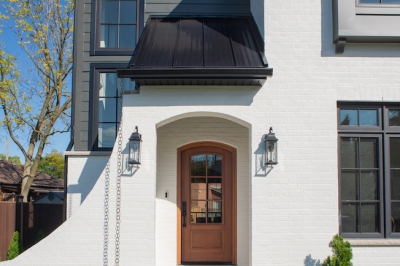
(271, 152)
(134, 151)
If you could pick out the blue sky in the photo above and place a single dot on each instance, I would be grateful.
(59, 141)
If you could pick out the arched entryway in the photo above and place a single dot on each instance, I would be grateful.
(207, 194)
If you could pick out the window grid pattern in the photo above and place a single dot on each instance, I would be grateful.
(369, 169)
(118, 24)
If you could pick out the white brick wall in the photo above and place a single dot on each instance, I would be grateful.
(293, 207)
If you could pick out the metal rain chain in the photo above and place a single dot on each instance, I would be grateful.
(107, 192)
(118, 207)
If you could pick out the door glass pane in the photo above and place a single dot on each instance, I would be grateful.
(198, 189)
(368, 153)
(349, 185)
(198, 165)
(350, 218)
(214, 188)
(348, 150)
(395, 219)
(368, 117)
(395, 184)
(198, 212)
(127, 35)
(394, 117)
(214, 167)
(348, 117)
(369, 217)
(215, 212)
(394, 152)
(109, 12)
(369, 185)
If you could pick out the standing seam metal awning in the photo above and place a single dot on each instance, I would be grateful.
(199, 51)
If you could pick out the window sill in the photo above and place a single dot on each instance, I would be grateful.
(87, 153)
(374, 242)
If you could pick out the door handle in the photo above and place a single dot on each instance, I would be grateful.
(184, 213)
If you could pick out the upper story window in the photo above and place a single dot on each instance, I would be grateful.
(368, 21)
(116, 26)
(369, 169)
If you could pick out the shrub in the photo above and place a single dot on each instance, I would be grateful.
(39, 236)
(15, 247)
(342, 253)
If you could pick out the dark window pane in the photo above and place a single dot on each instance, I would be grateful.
(108, 85)
(198, 165)
(369, 185)
(109, 12)
(214, 167)
(350, 218)
(394, 152)
(106, 135)
(214, 212)
(198, 189)
(369, 217)
(107, 109)
(349, 185)
(368, 117)
(127, 36)
(108, 36)
(215, 188)
(395, 219)
(395, 184)
(394, 117)
(391, 1)
(198, 212)
(127, 12)
(370, 1)
(348, 152)
(348, 117)
(368, 153)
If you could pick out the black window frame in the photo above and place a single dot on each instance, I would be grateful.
(95, 70)
(95, 48)
(383, 132)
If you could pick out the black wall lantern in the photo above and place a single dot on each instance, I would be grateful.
(134, 147)
(271, 148)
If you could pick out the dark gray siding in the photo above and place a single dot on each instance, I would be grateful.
(197, 7)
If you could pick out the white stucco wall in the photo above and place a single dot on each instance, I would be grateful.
(293, 207)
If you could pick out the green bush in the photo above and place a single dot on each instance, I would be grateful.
(15, 247)
(342, 253)
(39, 236)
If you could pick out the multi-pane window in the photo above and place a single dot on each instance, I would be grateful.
(106, 109)
(369, 170)
(117, 25)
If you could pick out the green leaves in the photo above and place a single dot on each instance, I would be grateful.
(342, 253)
(52, 164)
(15, 247)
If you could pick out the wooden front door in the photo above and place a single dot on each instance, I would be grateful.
(208, 203)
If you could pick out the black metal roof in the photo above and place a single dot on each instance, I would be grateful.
(199, 51)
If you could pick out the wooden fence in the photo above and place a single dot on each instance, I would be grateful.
(28, 219)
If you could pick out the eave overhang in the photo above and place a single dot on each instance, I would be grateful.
(199, 51)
